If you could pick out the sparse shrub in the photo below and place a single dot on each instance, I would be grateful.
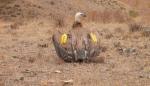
(16, 25)
(103, 48)
(58, 20)
(135, 27)
(117, 44)
(31, 60)
(109, 36)
(133, 13)
(107, 16)
(146, 32)
(118, 30)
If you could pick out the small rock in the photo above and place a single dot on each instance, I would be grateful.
(16, 5)
(127, 51)
(146, 31)
(21, 78)
(29, 73)
(120, 50)
(145, 46)
(117, 44)
(15, 57)
(130, 50)
(57, 71)
(47, 82)
(13, 15)
(144, 76)
(141, 76)
(31, 60)
(43, 45)
(68, 81)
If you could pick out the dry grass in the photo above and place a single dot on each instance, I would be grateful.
(140, 8)
(146, 32)
(58, 20)
(135, 27)
(108, 16)
(133, 13)
(118, 30)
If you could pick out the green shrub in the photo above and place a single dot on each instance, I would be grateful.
(133, 13)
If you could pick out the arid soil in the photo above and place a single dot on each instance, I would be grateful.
(28, 58)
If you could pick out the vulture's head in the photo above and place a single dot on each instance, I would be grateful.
(79, 16)
(78, 19)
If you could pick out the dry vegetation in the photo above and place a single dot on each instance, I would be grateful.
(27, 56)
(108, 16)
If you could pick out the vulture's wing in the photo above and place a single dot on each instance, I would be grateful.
(61, 52)
(76, 49)
(94, 47)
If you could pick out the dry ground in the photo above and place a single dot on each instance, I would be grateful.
(27, 56)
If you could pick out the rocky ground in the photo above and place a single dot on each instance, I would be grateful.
(28, 58)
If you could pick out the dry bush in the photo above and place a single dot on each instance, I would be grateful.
(118, 30)
(108, 35)
(133, 13)
(117, 44)
(108, 16)
(58, 20)
(146, 31)
(135, 27)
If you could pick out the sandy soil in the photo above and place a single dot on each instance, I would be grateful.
(28, 58)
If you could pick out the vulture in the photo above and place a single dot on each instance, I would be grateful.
(77, 45)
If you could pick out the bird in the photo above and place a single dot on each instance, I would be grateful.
(78, 44)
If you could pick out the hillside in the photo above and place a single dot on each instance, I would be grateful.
(142, 6)
(49, 8)
(28, 58)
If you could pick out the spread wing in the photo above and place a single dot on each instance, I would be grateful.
(61, 51)
(94, 48)
(88, 47)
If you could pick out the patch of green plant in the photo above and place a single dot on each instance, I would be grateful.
(133, 13)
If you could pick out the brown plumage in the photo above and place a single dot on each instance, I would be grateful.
(79, 45)
(76, 25)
